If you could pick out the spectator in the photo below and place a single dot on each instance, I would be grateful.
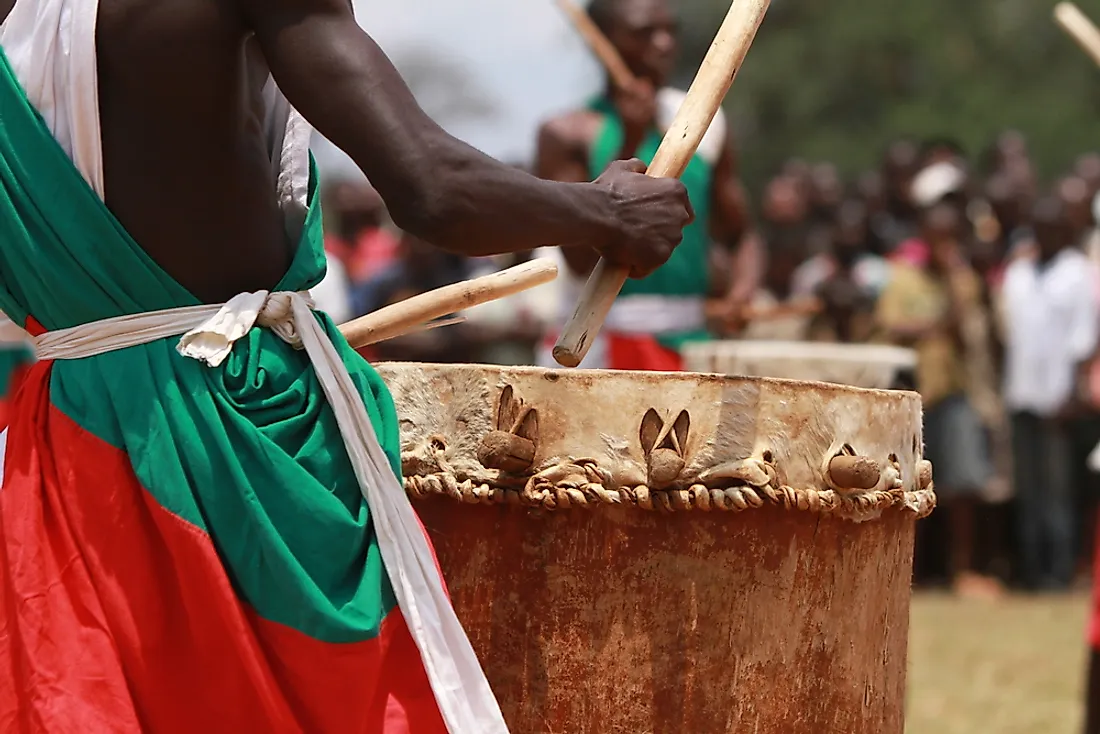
(847, 279)
(871, 190)
(1077, 202)
(786, 215)
(1051, 331)
(943, 150)
(776, 290)
(925, 305)
(1008, 206)
(899, 166)
(359, 237)
(801, 172)
(940, 182)
(418, 268)
(826, 191)
(849, 249)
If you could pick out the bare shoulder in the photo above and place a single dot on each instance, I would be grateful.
(574, 130)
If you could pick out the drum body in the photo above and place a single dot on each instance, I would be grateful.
(858, 365)
(648, 552)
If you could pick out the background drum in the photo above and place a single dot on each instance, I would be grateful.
(639, 552)
(859, 365)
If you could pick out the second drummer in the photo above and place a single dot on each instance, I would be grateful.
(655, 316)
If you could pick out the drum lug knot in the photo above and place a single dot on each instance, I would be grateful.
(924, 474)
(663, 443)
(506, 451)
(848, 473)
(512, 446)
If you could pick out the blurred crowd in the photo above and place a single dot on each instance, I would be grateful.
(992, 276)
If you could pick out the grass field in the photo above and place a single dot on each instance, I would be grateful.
(1009, 667)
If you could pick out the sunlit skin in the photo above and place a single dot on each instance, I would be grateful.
(180, 105)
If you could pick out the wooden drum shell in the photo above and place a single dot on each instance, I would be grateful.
(783, 611)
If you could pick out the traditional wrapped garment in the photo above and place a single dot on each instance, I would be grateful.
(187, 548)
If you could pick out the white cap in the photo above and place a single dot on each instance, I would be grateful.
(935, 182)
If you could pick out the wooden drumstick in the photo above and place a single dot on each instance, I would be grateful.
(705, 96)
(1079, 27)
(413, 313)
(605, 51)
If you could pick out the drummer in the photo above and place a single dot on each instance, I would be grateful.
(186, 534)
(653, 317)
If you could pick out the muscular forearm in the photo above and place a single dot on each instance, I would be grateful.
(475, 205)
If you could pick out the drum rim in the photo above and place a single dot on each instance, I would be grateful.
(557, 373)
(582, 483)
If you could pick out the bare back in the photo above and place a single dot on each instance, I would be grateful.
(186, 168)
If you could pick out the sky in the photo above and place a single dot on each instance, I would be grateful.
(520, 61)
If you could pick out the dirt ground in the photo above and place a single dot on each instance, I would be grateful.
(1014, 666)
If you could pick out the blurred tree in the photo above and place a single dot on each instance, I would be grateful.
(837, 79)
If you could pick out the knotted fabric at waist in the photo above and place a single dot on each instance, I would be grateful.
(461, 690)
(209, 330)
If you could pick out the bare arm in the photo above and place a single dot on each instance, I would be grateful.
(562, 155)
(731, 221)
(731, 225)
(435, 186)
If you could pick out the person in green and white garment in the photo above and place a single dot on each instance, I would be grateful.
(654, 316)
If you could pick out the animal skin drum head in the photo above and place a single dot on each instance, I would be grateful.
(555, 438)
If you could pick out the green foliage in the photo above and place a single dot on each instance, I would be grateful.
(837, 79)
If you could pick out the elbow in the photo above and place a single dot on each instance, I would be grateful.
(421, 209)
(434, 211)
(433, 202)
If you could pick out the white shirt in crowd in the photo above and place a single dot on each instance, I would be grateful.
(1051, 325)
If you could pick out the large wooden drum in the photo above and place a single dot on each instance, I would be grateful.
(859, 365)
(672, 553)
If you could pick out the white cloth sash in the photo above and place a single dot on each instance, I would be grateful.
(51, 47)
